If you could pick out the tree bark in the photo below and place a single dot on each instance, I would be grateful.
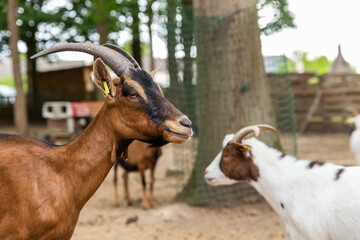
(20, 108)
(171, 43)
(33, 93)
(151, 16)
(152, 60)
(102, 31)
(135, 27)
(101, 20)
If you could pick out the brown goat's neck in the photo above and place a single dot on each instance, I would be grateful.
(89, 158)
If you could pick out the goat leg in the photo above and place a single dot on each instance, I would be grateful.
(144, 200)
(126, 187)
(152, 180)
(116, 200)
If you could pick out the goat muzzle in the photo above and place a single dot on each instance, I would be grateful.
(178, 131)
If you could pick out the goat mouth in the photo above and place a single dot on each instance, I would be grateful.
(175, 132)
(209, 180)
(179, 135)
(176, 137)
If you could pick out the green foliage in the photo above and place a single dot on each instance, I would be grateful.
(36, 26)
(301, 62)
(145, 48)
(319, 65)
(42, 26)
(291, 65)
(282, 17)
(9, 81)
(85, 18)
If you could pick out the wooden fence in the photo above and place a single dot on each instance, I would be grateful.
(320, 101)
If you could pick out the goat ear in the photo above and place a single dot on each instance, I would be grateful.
(241, 147)
(103, 79)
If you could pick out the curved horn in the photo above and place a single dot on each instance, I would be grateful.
(124, 53)
(352, 110)
(118, 63)
(254, 129)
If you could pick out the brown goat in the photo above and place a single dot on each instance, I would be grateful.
(138, 157)
(43, 187)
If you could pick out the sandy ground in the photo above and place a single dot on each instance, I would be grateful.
(99, 219)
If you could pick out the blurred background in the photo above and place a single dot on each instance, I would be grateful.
(226, 64)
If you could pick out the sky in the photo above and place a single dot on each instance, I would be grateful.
(321, 26)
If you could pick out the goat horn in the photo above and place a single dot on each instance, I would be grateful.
(124, 53)
(118, 64)
(352, 110)
(254, 129)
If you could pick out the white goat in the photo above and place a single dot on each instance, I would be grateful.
(355, 135)
(315, 200)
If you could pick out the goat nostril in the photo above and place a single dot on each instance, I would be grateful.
(206, 172)
(186, 122)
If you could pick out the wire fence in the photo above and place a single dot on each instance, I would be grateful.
(218, 78)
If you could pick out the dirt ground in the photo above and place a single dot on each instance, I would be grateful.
(99, 219)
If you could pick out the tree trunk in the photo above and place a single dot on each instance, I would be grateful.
(232, 90)
(101, 20)
(135, 27)
(31, 74)
(171, 43)
(20, 108)
(151, 16)
(152, 60)
(102, 31)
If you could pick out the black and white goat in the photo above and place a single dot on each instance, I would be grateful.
(315, 200)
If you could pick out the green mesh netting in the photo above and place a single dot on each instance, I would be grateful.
(219, 78)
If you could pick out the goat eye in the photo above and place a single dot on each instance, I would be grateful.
(133, 95)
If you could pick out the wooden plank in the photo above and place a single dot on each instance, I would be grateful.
(341, 90)
(332, 127)
(300, 90)
(345, 100)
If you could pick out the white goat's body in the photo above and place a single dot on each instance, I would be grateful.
(315, 201)
(316, 205)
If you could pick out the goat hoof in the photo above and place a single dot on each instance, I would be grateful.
(145, 205)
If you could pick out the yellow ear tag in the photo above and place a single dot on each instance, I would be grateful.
(106, 89)
(247, 147)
